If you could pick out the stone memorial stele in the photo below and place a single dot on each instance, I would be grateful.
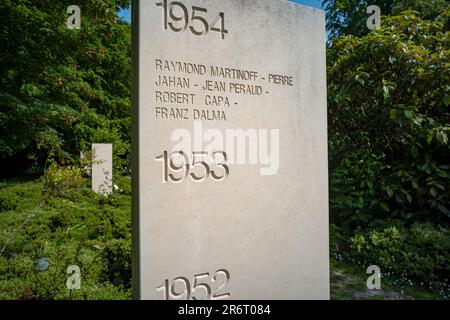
(230, 180)
(102, 182)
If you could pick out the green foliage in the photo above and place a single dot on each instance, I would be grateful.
(337, 240)
(61, 89)
(18, 197)
(389, 122)
(60, 179)
(349, 17)
(124, 184)
(118, 254)
(419, 252)
(74, 227)
(389, 150)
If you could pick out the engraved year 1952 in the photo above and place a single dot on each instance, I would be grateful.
(203, 286)
(176, 17)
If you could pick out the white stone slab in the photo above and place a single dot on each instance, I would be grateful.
(102, 179)
(261, 232)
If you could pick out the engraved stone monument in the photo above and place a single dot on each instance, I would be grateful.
(230, 181)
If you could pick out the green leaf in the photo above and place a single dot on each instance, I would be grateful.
(444, 210)
(389, 192)
(385, 91)
(360, 202)
(447, 101)
(408, 197)
(384, 206)
(408, 114)
(433, 192)
(414, 151)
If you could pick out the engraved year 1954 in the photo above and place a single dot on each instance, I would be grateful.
(176, 17)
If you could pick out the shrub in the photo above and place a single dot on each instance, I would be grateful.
(389, 122)
(74, 229)
(118, 255)
(61, 179)
(48, 96)
(421, 252)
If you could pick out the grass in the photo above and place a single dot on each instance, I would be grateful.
(75, 227)
(348, 282)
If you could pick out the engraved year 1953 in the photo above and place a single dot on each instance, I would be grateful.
(169, 164)
(176, 17)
